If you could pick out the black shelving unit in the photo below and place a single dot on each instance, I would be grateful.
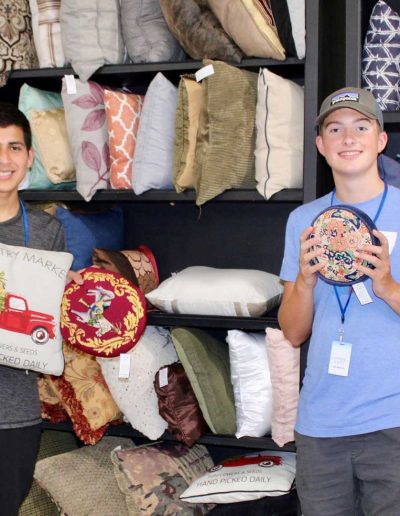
(238, 229)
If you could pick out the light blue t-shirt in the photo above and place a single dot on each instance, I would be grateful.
(368, 399)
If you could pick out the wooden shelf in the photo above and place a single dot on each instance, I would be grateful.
(126, 430)
(289, 195)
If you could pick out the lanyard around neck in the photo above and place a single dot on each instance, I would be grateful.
(381, 204)
(25, 222)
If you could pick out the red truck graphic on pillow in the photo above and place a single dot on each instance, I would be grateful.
(15, 315)
(264, 461)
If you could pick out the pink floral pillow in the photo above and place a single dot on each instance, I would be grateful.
(123, 115)
(85, 116)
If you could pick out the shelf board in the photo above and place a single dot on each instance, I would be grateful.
(391, 117)
(156, 318)
(181, 66)
(126, 430)
(288, 195)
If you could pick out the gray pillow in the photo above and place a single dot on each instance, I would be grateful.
(198, 30)
(146, 34)
(91, 34)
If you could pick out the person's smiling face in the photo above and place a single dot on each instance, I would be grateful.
(350, 142)
(15, 158)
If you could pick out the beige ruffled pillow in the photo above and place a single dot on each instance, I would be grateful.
(190, 100)
(50, 132)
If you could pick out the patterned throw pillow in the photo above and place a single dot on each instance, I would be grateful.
(380, 59)
(50, 133)
(51, 406)
(153, 477)
(47, 32)
(123, 115)
(35, 99)
(85, 395)
(17, 49)
(85, 116)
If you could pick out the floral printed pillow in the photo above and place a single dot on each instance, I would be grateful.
(153, 477)
(85, 116)
(84, 395)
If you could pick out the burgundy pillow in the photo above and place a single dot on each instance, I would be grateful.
(178, 405)
(105, 316)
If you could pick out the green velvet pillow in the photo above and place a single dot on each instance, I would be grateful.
(206, 363)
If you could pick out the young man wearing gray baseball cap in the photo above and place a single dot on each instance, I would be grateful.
(348, 424)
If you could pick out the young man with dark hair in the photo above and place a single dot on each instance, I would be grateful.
(348, 425)
(20, 421)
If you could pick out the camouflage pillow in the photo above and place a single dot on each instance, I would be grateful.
(153, 477)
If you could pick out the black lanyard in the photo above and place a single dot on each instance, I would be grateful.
(344, 308)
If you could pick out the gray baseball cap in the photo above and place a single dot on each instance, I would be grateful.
(354, 98)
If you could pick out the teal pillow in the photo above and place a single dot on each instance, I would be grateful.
(206, 363)
(33, 98)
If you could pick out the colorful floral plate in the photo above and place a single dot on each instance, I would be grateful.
(105, 316)
(342, 230)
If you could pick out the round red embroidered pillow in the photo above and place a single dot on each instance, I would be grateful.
(105, 316)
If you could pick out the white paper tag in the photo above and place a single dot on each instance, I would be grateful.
(163, 377)
(70, 84)
(392, 237)
(204, 72)
(124, 365)
(362, 293)
(339, 361)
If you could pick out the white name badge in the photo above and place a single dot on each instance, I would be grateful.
(339, 361)
(392, 237)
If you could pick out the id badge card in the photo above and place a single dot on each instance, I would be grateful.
(339, 361)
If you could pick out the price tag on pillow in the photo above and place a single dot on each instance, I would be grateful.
(204, 72)
(163, 377)
(124, 365)
(70, 84)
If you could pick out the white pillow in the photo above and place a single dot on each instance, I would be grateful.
(47, 32)
(135, 395)
(297, 14)
(248, 477)
(208, 291)
(154, 151)
(30, 338)
(251, 383)
(280, 134)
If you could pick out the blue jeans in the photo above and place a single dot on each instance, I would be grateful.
(353, 475)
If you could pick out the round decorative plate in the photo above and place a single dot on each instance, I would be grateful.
(342, 230)
(105, 316)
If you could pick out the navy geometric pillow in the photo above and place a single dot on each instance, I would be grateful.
(381, 55)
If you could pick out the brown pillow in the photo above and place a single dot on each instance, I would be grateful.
(226, 136)
(198, 30)
(188, 108)
(137, 265)
(178, 404)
